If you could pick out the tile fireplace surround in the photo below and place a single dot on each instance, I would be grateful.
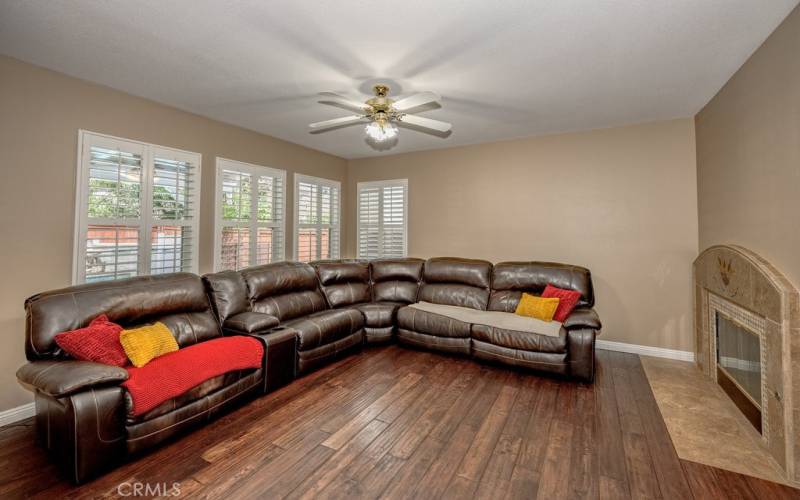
(740, 285)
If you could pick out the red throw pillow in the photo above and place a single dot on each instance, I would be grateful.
(98, 342)
(568, 299)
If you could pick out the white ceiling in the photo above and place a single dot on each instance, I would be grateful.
(505, 69)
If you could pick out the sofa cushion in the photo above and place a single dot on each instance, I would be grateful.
(472, 272)
(567, 299)
(178, 300)
(228, 293)
(344, 282)
(416, 320)
(324, 327)
(497, 319)
(286, 290)
(456, 282)
(537, 307)
(98, 342)
(524, 341)
(396, 280)
(146, 342)
(379, 314)
(510, 279)
(173, 374)
(291, 305)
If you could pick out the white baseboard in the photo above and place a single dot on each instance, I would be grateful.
(644, 350)
(14, 415)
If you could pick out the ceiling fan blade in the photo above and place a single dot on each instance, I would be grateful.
(338, 100)
(419, 121)
(345, 120)
(416, 100)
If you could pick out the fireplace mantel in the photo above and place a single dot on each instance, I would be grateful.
(740, 279)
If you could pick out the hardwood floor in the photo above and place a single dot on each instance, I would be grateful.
(399, 423)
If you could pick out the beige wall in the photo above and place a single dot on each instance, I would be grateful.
(748, 155)
(622, 202)
(40, 114)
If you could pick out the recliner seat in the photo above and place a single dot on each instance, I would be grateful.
(377, 289)
(289, 294)
(446, 281)
(81, 409)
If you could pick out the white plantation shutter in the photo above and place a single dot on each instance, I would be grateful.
(174, 197)
(249, 215)
(317, 213)
(136, 210)
(382, 214)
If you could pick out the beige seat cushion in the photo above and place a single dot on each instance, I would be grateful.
(496, 319)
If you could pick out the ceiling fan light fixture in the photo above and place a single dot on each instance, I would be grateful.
(381, 130)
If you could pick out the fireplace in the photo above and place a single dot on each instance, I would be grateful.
(747, 339)
(739, 366)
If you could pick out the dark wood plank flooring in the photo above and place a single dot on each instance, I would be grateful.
(398, 423)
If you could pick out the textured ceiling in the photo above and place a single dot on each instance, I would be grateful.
(505, 69)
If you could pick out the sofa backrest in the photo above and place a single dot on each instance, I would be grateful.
(457, 282)
(178, 300)
(344, 282)
(285, 290)
(511, 279)
(396, 280)
(227, 292)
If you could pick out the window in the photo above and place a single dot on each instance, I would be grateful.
(382, 215)
(316, 218)
(136, 209)
(249, 219)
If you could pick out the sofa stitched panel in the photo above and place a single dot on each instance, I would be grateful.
(313, 358)
(429, 323)
(551, 362)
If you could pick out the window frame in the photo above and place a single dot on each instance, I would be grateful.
(146, 221)
(380, 185)
(254, 224)
(320, 181)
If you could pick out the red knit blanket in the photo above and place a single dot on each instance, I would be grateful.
(172, 374)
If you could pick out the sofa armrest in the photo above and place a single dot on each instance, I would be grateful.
(583, 318)
(62, 378)
(250, 322)
(580, 353)
(280, 356)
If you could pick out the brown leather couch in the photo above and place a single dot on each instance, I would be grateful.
(305, 315)
(83, 416)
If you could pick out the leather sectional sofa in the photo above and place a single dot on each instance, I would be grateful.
(304, 314)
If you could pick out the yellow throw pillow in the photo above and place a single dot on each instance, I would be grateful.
(537, 307)
(147, 342)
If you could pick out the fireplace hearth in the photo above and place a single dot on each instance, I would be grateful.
(747, 339)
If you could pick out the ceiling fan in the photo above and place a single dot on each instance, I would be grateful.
(382, 112)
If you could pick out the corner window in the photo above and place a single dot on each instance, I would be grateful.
(382, 219)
